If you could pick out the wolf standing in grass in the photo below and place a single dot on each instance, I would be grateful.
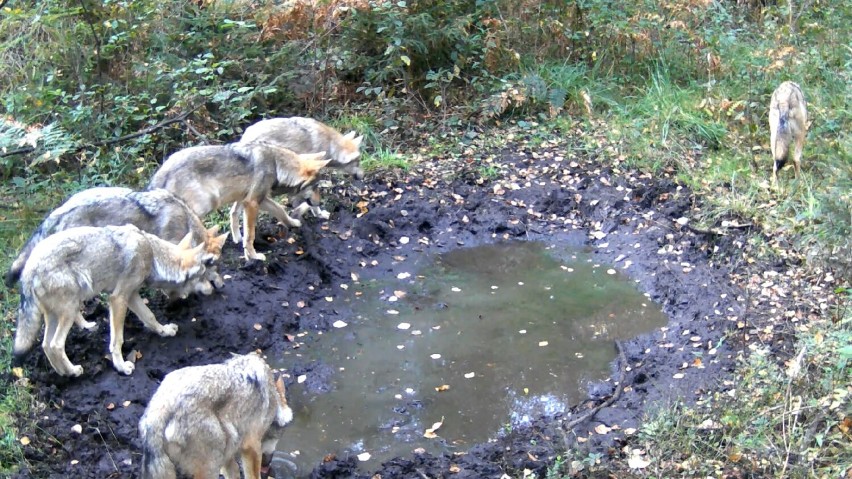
(788, 125)
(304, 135)
(207, 177)
(202, 417)
(157, 212)
(74, 265)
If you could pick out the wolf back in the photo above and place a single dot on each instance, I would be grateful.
(202, 417)
(157, 212)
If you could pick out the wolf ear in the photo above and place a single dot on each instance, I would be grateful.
(186, 242)
(350, 135)
(357, 141)
(211, 232)
(220, 240)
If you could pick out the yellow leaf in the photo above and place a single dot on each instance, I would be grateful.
(430, 433)
(25, 441)
(405, 60)
(18, 372)
(442, 388)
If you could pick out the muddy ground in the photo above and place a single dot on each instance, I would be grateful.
(548, 193)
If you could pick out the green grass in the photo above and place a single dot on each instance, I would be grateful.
(382, 159)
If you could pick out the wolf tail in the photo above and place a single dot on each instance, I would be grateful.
(43, 231)
(156, 464)
(29, 324)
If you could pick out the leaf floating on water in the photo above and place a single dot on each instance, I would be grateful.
(403, 326)
(435, 356)
(340, 324)
(469, 375)
(399, 294)
(678, 376)
(302, 378)
(403, 275)
(403, 240)
(542, 343)
(610, 271)
(442, 388)
(455, 289)
(430, 433)
(364, 456)
(392, 311)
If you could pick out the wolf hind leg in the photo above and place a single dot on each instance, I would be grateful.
(236, 212)
(251, 458)
(117, 314)
(55, 334)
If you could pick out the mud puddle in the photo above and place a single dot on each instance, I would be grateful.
(480, 340)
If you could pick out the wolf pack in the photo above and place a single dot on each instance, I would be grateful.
(207, 420)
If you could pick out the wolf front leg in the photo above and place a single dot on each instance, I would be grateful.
(138, 306)
(276, 210)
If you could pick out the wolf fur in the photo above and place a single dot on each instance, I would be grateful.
(157, 212)
(202, 417)
(304, 135)
(207, 177)
(74, 265)
(788, 126)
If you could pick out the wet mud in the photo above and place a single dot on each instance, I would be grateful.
(626, 219)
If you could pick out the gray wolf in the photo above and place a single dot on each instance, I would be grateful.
(304, 135)
(74, 265)
(202, 417)
(207, 177)
(157, 212)
(788, 125)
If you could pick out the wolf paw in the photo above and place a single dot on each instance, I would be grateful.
(125, 367)
(294, 223)
(237, 236)
(168, 330)
(88, 325)
(323, 215)
(257, 257)
(76, 371)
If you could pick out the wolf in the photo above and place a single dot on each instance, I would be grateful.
(207, 177)
(788, 125)
(76, 264)
(157, 212)
(304, 135)
(202, 417)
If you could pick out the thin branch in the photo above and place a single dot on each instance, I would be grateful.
(112, 141)
(617, 394)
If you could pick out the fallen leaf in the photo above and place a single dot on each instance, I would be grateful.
(636, 461)
(340, 324)
(442, 388)
(430, 433)
(454, 468)
(25, 441)
(364, 456)
(18, 372)
(602, 429)
(110, 406)
(399, 294)
(302, 378)
(77, 428)
(257, 326)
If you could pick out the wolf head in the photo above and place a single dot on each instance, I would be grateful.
(197, 264)
(347, 155)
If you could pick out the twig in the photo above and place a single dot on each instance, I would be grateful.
(112, 141)
(590, 413)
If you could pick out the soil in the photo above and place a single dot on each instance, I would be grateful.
(551, 192)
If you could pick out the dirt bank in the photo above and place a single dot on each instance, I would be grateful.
(552, 194)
